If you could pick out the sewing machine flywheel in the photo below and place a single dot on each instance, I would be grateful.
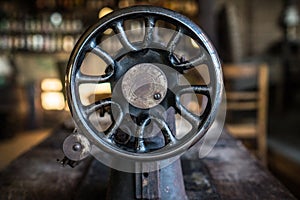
(136, 72)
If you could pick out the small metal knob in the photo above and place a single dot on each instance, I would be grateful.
(76, 147)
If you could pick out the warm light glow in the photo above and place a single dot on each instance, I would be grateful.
(194, 43)
(89, 92)
(51, 84)
(104, 11)
(68, 43)
(103, 88)
(66, 107)
(53, 101)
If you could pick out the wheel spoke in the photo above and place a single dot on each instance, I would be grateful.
(198, 89)
(96, 106)
(140, 134)
(88, 110)
(149, 28)
(202, 59)
(165, 129)
(192, 63)
(174, 40)
(117, 120)
(103, 55)
(119, 30)
(185, 113)
(82, 78)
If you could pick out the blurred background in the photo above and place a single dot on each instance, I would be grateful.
(261, 37)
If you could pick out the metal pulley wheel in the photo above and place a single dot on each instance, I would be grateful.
(126, 81)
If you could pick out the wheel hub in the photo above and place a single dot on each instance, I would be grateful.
(144, 85)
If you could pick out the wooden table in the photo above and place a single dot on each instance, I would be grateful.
(228, 172)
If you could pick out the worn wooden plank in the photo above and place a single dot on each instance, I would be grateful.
(197, 180)
(228, 172)
(37, 175)
(238, 175)
(94, 185)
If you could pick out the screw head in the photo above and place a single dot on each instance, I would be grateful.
(121, 137)
(157, 96)
(77, 147)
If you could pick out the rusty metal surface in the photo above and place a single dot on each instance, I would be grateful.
(147, 185)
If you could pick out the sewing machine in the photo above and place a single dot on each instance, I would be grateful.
(143, 85)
